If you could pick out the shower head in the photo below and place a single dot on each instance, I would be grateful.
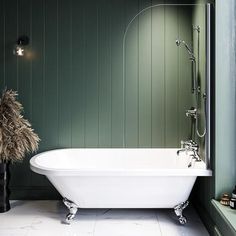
(190, 51)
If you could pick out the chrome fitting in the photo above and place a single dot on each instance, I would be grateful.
(179, 212)
(73, 208)
(192, 112)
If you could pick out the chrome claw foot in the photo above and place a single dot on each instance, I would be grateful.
(182, 220)
(73, 208)
(179, 212)
(69, 218)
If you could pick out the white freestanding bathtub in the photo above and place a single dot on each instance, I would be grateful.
(120, 178)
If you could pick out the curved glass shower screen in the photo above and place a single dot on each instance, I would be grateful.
(164, 75)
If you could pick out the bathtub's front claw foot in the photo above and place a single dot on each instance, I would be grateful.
(182, 220)
(69, 218)
(73, 208)
(179, 212)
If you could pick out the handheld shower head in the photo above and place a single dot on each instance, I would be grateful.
(190, 51)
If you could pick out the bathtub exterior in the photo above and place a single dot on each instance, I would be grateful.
(120, 178)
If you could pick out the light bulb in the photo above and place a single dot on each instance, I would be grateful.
(18, 50)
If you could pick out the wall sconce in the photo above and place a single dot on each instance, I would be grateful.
(19, 48)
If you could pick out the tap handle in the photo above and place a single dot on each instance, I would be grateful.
(188, 142)
(193, 143)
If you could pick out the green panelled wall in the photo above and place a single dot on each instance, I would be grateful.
(157, 75)
(71, 80)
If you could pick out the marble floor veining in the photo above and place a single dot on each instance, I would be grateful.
(43, 218)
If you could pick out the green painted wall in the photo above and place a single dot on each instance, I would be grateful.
(71, 79)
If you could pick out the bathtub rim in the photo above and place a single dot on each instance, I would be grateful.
(114, 172)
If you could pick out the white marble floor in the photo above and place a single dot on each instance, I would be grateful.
(37, 218)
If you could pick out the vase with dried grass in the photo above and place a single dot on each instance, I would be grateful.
(17, 138)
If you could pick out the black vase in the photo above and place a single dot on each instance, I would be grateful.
(4, 187)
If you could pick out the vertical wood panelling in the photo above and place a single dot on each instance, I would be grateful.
(91, 74)
(78, 71)
(37, 47)
(11, 29)
(23, 85)
(131, 76)
(63, 60)
(24, 64)
(51, 82)
(158, 76)
(11, 64)
(171, 76)
(104, 73)
(185, 73)
(145, 74)
(117, 33)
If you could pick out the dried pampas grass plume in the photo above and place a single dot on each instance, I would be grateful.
(16, 135)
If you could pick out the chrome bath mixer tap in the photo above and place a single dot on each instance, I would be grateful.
(190, 146)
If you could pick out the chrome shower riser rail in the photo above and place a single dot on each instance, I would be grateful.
(73, 208)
